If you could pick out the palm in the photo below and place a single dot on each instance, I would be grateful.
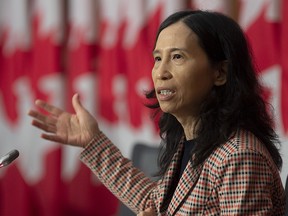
(68, 129)
(74, 129)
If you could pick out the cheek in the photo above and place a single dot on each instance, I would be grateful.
(197, 86)
(153, 76)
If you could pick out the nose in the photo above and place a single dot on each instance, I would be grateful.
(163, 71)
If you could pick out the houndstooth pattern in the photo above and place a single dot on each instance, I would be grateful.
(239, 178)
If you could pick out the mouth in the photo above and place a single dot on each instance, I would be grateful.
(165, 92)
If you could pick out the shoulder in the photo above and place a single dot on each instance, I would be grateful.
(242, 146)
(243, 140)
(241, 167)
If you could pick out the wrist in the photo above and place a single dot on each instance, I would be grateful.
(96, 136)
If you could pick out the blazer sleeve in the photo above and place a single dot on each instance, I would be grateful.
(117, 173)
(250, 185)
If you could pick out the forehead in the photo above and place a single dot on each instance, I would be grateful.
(176, 35)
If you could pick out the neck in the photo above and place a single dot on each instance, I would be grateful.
(189, 125)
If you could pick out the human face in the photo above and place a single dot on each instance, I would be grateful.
(182, 73)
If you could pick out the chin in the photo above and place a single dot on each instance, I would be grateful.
(166, 109)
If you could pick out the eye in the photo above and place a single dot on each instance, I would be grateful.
(177, 56)
(157, 59)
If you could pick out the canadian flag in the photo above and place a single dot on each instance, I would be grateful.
(284, 64)
(103, 50)
(14, 93)
(284, 84)
(50, 50)
(222, 6)
(85, 194)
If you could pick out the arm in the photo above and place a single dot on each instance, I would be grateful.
(78, 129)
(118, 174)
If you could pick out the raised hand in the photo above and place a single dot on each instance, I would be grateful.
(63, 127)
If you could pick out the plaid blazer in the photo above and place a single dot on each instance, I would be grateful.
(238, 178)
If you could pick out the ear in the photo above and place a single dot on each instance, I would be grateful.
(221, 73)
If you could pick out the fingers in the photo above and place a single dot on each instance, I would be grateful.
(49, 108)
(53, 138)
(45, 127)
(44, 122)
(49, 129)
(42, 118)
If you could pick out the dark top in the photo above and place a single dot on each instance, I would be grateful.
(186, 156)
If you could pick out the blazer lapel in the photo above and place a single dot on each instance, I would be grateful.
(170, 174)
(186, 183)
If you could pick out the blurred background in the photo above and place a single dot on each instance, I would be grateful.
(102, 49)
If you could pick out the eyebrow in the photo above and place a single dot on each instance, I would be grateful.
(171, 50)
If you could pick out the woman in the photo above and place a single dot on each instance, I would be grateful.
(219, 155)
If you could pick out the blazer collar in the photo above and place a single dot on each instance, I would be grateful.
(171, 173)
(186, 183)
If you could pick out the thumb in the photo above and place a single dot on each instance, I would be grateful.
(76, 103)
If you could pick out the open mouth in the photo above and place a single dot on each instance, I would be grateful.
(165, 92)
